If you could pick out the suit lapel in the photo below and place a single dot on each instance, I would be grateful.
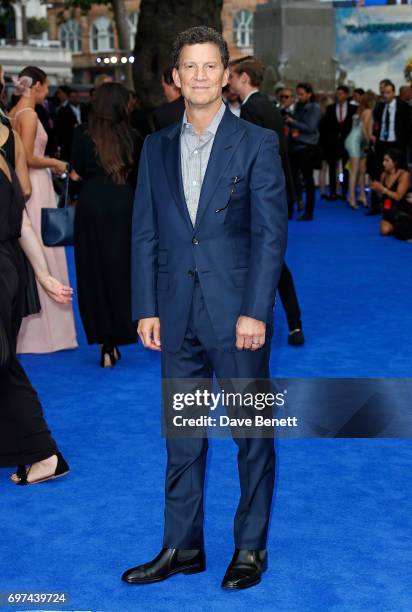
(171, 152)
(227, 136)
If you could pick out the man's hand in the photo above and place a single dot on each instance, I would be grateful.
(250, 333)
(149, 333)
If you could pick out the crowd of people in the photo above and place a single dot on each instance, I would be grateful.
(350, 141)
(358, 143)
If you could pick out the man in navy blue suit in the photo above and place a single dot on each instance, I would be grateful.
(209, 237)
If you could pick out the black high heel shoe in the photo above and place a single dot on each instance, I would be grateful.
(109, 351)
(62, 468)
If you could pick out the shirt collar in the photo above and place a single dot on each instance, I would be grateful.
(248, 96)
(213, 125)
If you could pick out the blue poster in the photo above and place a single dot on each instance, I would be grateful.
(373, 43)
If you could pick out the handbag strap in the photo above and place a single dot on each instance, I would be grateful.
(66, 191)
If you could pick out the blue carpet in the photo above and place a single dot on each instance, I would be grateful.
(341, 516)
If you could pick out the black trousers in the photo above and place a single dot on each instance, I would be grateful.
(302, 161)
(289, 299)
(333, 158)
(201, 357)
(24, 434)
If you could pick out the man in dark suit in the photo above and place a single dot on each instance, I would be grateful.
(337, 125)
(208, 241)
(245, 79)
(391, 130)
(68, 116)
(173, 109)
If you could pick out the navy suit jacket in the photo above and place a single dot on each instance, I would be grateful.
(237, 244)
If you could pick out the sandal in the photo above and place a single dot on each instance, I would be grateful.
(109, 352)
(62, 469)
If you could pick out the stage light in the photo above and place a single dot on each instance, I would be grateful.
(106, 60)
(131, 59)
(98, 60)
(124, 60)
(113, 59)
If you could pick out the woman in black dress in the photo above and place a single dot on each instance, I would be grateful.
(24, 436)
(105, 158)
(392, 190)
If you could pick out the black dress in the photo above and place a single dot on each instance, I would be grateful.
(103, 246)
(24, 435)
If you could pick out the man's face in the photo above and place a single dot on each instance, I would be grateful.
(231, 94)
(406, 94)
(341, 96)
(302, 95)
(286, 98)
(357, 97)
(201, 74)
(61, 96)
(388, 93)
(236, 82)
(74, 98)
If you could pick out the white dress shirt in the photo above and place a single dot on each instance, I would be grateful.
(77, 112)
(341, 114)
(392, 112)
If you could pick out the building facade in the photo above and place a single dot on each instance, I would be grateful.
(24, 39)
(92, 38)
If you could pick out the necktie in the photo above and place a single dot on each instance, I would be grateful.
(340, 113)
(387, 123)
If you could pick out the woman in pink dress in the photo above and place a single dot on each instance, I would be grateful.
(53, 328)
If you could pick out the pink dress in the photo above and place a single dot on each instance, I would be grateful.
(53, 328)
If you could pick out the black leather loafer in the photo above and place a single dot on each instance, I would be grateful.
(245, 569)
(168, 562)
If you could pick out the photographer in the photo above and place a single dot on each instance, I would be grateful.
(303, 140)
(391, 190)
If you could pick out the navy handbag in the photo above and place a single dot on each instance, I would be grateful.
(57, 224)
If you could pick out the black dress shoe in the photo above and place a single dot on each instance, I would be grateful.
(245, 569)
(331, 198)
(305, 217)
(296, 337)
(372, 211)
(168, 562)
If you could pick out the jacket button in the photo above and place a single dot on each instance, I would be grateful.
(195, 241)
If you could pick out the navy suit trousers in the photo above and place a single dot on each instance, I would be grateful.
(201, 357)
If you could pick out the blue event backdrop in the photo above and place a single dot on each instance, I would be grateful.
(374, 42)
